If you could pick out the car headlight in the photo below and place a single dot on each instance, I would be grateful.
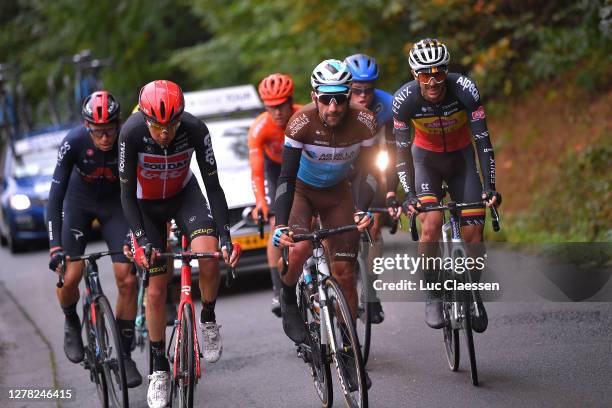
(382, 160)
(20, 202)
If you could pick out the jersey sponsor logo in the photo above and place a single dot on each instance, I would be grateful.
(297, 124)
(368, 120)
(50, 228)
(138, 233)
(478, 113)
(192, 218)
(77, 233)
(399, 98)
(444, 123)
(487, 150)
(470, 86)
(64, 148)
(424, 186)
(403, 182)
(210, 155)
(202, 231)
(398, 124)
(321, 142)
(121, 157)
(482, 135)
(492, 169)
(172, 169)
(345, 254)
(100, 173)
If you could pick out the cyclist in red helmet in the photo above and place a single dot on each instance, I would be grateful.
(91, 192)
(266, 137)
(155, 149)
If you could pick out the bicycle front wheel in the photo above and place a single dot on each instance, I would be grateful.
(111, 354)
(185, 366)
(363, 320)
(451, 337)
(347, 354)
(469, 339)
(92, 360)
(318, 361)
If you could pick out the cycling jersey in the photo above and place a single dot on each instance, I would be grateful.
(321, 156)
(151, 172)
(85, 187)
(265, 143)
(381, 107)
(441, 127)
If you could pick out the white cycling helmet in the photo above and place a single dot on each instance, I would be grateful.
(428, 54)
(331, 76)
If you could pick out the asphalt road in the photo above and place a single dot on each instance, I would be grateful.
(533, 354)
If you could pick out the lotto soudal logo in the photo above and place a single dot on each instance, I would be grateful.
(398, 124)
(478, 113)
(166, 166)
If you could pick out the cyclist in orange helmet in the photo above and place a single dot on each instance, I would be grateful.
(266, 137)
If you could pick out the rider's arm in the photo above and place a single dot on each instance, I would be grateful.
(470, 97)
(401, 131)
(292, 152)
(208, 169)
(128, 164)
(61, 177)
(256, 159)
(390, 171)
(368, 183)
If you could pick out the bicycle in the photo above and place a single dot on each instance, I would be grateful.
(329, 326)
(459, 306)
(363, 321)
(103, 352)
(185, 360)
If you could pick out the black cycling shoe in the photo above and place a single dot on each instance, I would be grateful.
(433, 312)
(276, 307)
(480, 323)
(293, 325)
(377, 316)
(73, 343)
(132, 375)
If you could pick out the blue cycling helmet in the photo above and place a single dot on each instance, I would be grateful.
(363, 67)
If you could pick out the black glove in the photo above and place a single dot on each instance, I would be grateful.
(57, 257)
(392, 202)
(492, 193)
(411, 200)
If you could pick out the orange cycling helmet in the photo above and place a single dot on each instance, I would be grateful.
(276, 89)
(161, 101)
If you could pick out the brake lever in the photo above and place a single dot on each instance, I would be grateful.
(60, 279)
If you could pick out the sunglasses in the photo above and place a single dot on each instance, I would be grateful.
(338, 99)
(161, 128)
(425, 77)
(362, 91)
(98, 133)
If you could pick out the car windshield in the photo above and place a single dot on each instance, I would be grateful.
(38, 163)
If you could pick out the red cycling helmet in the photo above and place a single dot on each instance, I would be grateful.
(100, 107)
(276, 89)
(161, 101)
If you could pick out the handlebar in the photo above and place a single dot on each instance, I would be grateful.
(87, 257)
(395, 224)
(449, 206)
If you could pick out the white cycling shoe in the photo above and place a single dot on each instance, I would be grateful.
(159, 389)
(212, 341)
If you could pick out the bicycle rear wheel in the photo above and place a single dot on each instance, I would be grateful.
(347, 357)
(469, 340)
(319, 359)
(92, 361)
(111, 354)
(363, 321)
(185, 366)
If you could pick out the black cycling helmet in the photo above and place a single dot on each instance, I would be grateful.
(101, 107)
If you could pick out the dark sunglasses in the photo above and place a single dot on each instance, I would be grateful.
(327, 99)
(108, 131)
(362, 91)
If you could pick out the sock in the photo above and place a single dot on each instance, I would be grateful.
(208, 311)
(160, 362)
(276, 282)
(126, 332)
(71, 314)
(289, 295)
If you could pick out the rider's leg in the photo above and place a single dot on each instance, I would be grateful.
(274, 254)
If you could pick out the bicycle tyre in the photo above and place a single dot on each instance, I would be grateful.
(450, 335)
(96, 374)
(469, 340)
(109, 339)
(340, 315)
(363, 321)
(185, 377)
(319, 365)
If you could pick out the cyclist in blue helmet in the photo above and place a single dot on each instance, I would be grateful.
(365, 94)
